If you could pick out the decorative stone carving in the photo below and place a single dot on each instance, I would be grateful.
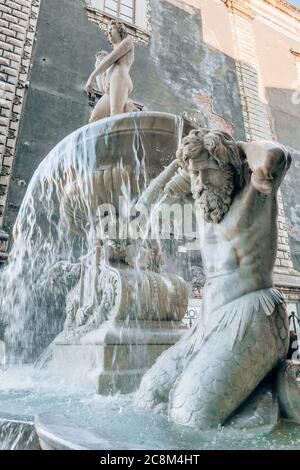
(95, 298)
(240, 7)
(92, 300)
(243, 332)
(123, 313)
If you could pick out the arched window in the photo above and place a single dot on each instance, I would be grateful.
(134, 13)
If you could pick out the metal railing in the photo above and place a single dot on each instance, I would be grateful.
(294, 322)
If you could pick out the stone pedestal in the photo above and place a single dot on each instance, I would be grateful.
(117, 354)
(134, 317)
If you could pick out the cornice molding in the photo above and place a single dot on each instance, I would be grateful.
(240, 7)
(277, 14)
(285, 7)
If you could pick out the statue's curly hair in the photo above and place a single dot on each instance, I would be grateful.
(120, 27)
(225, 151)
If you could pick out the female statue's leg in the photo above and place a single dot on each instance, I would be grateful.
(118, 95)
(102, 109)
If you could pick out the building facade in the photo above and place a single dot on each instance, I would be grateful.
(230, 64)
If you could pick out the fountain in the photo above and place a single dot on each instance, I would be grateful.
(88, 295)
(114, 286)
(106, 326)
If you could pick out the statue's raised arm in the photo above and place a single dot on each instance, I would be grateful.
(268, 162)
(125, 46)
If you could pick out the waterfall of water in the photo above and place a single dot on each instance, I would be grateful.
(109, 163)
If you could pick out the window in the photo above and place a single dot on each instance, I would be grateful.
(135, 14)
(123, 9)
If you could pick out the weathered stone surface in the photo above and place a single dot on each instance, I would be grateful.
(15, 34)
(288, 386)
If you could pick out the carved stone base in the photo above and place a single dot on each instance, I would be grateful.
(116, 355)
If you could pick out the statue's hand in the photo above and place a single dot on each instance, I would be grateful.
(262, 182)
(269, 161)
(210, 142)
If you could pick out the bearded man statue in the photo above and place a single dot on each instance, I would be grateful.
(243, 332)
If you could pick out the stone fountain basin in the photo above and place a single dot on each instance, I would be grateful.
(141, 431)
(100, 162)
(70, 415)
(56, 432)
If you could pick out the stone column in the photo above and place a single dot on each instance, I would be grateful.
(256, 113)
(18, 20)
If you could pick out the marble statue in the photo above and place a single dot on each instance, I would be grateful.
(243, 333)
(112, 74)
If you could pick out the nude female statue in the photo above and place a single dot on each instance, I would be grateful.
(114, 69)
(244, 332)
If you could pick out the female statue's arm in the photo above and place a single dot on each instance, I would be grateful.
(120, 51)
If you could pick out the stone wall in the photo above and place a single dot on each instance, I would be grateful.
(18, 19)
(256, 111)
(279, 59)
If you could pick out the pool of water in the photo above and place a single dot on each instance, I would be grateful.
(26, 392)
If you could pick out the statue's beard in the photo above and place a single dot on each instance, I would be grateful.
(215, 202)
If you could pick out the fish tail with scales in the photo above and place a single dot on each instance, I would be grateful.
(207, 375)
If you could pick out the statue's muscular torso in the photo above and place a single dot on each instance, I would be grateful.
(240, 252)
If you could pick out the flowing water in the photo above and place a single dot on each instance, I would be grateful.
(60, 224)
(25, 391)
(56, 230)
